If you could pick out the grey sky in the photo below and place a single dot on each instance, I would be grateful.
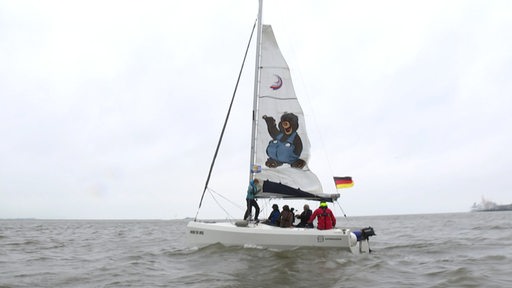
(112, 109)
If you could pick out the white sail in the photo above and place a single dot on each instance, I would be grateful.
(282, 145)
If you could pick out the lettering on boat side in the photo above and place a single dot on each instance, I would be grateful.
(334, 238)
(321, 239)
(196, 232)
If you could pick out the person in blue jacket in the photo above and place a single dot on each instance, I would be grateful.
(253, 189)
(274, 217)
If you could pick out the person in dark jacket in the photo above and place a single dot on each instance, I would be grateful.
(286, 217)
(326, 219)
(274, 217)
(304, 216)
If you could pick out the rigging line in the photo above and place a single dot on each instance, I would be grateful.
(225, 121)
(312, 115)
(216, 201)
(225, 198)
(339, 205)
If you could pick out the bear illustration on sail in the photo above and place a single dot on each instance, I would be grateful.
(286, 145)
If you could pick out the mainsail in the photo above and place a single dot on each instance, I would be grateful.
(282, 145)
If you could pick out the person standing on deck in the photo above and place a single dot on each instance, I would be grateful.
(326, 219)
(253, 189)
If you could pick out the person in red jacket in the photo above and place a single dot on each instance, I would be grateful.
(326, 219)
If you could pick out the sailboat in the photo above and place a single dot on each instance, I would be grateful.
(279, 160)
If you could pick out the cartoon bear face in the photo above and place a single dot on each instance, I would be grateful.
(289, 123)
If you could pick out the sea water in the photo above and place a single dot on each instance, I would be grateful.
(435, 250)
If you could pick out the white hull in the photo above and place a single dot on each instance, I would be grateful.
(201, 234)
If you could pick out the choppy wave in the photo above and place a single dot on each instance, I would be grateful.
(439, 250)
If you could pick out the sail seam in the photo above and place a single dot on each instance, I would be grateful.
(277, 98)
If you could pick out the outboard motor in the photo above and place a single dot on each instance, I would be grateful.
(363, 237)
(366, 233)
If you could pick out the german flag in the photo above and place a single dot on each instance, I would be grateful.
(343, 182)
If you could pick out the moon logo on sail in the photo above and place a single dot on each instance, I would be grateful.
(278, 83)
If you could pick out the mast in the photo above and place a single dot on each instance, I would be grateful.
(256, 89)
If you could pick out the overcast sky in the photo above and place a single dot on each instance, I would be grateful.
(112, 109)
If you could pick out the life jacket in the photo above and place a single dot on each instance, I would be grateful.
(325, 218)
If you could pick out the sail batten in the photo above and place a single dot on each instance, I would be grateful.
(276, 98)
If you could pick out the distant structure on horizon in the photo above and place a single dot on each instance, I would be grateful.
(486, 206)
